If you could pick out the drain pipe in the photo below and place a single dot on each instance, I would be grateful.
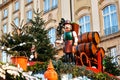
(71, 13)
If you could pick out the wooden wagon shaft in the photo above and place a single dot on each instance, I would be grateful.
(83, 59)
(99, 58)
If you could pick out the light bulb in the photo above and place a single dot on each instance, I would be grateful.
(35, 40)
(32, 56)
(21, 44)
(24, 43)
(2, 47)
(8, 49)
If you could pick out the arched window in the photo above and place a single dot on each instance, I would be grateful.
(52, 35)
(110, 19)
(85, 24)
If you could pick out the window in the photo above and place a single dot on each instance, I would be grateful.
(52, 35)
(46, 5)
(54, 3)
(85, 24)
(28, 1)
(29, 15)
(5, 28)
(4, 56)
(16, 21)
(5, 13)
(4, 0)
(113, 53)
(16, 5)
(110, 19)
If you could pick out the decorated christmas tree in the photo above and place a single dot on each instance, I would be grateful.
(29, 40)
(41, 39)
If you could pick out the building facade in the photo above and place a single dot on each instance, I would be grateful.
(102, 16)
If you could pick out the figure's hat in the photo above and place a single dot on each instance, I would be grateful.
(67, 22)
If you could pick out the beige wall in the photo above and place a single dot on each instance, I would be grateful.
(10, 11)
(95, 16)
(81, 8)
(0, 22)
(111, 41)
(65, 9)
(22, 11)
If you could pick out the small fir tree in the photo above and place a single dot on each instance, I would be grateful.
(110, 66)
(16, 43)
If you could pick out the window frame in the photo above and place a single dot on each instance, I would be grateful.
(5, 28)
(28, 14)
(4, 1)
(111, 27)
(113, 53)
(28, 1)
(54, 4)
(46, 5)
(17, 6)
(5, 13)
(4, 56)
(15, 21)
(52, 35)
(83, 25)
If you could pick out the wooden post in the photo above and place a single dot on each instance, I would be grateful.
(99, 58)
